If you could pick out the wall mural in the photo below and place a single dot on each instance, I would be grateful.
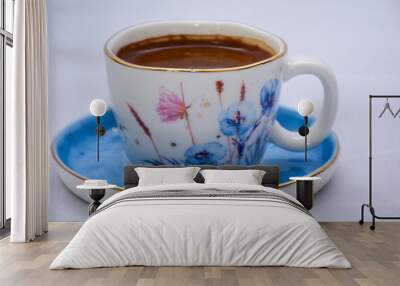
(178, 117)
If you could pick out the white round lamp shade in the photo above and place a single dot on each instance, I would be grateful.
(98, 107)
(305, 107)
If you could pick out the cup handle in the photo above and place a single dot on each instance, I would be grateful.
(321, 128)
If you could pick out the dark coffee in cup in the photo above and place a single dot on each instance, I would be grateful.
(196, 52)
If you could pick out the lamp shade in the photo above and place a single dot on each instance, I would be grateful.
(305, 107)
(98, 107)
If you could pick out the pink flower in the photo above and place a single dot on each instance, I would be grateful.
(219, 86)
(170, 106)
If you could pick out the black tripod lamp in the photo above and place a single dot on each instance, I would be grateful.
(305, 108)
(98, 108)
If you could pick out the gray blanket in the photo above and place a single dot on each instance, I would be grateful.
(204, 194)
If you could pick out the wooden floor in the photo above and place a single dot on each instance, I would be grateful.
(375, 257)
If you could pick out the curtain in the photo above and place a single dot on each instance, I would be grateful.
(26, 123)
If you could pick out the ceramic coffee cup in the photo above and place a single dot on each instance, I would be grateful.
(209, 116)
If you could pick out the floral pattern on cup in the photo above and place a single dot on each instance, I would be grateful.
(170, 106)
(245, 132)
(211, 153)
(237, 119)
(269, 96)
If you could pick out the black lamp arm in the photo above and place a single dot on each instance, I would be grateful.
(303, 131)
(100, 131)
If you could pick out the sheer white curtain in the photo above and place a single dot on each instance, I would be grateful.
(26, 119)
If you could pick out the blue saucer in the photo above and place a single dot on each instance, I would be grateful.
(74, 150)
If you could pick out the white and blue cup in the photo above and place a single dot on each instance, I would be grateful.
(220, 116)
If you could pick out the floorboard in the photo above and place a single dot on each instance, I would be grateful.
(375, 257)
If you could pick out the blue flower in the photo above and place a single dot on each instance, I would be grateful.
(237, 119)
(202, 154)
(269, 95)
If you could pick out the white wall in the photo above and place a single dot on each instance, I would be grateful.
(359, 39)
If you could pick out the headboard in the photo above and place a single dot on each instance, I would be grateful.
(271, 177)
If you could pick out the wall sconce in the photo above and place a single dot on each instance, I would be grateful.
(305, 108)
(98, 108)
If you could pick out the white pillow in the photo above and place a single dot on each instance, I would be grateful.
(165, 176)
(248, 177)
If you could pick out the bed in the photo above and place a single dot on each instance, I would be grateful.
(197, 224)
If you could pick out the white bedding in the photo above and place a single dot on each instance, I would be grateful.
(200, 231)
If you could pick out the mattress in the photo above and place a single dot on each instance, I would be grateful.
(201, 225)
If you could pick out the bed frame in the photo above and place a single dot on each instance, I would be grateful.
(271, 177)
